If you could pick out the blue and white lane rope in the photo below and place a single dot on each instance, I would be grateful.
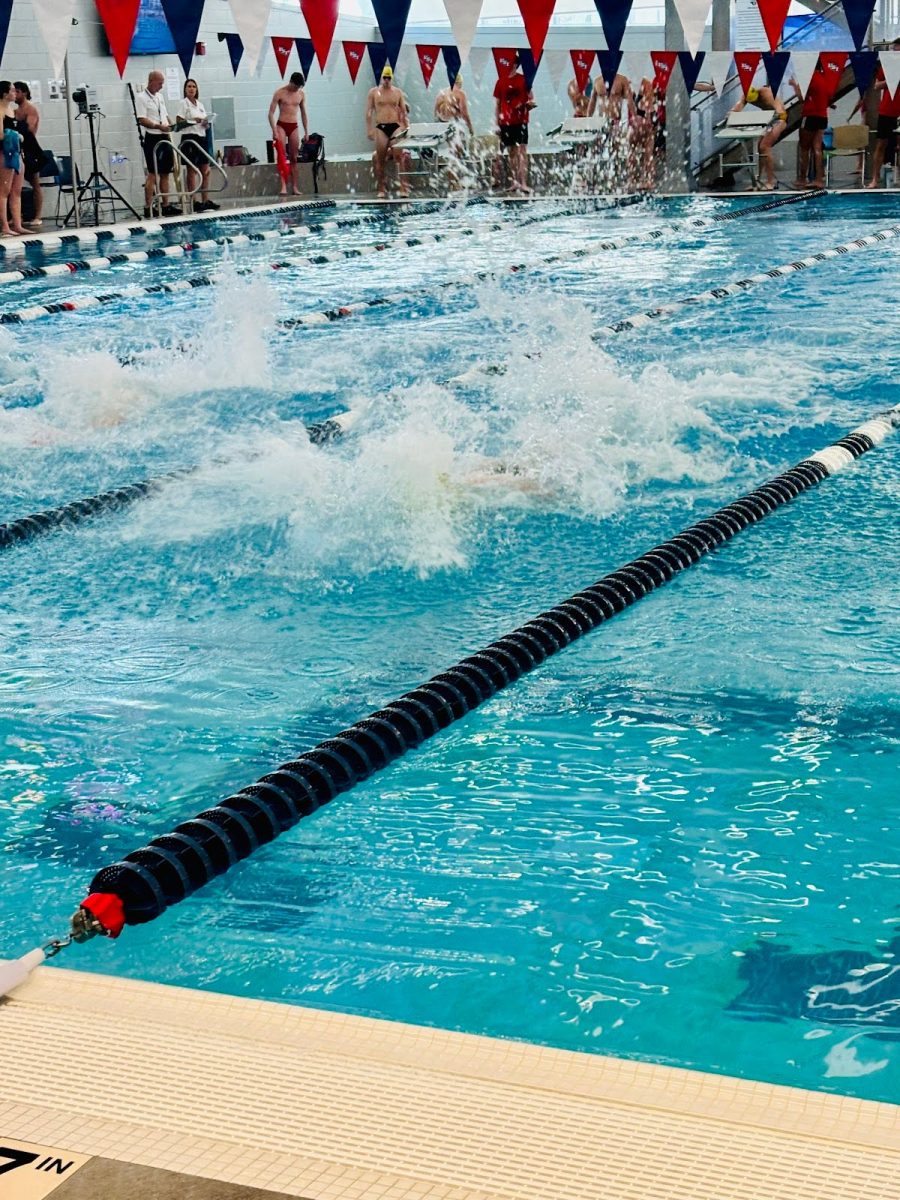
(76, 512)
(36, 312)
(148, 881)
(327, 315)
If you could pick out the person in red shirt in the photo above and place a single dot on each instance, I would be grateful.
(813, 124)
(514, 105)
(886, 130)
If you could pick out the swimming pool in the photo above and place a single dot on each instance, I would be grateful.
(660, 843)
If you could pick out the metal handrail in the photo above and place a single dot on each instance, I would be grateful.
(181, 158)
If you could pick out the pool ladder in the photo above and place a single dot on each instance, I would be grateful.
(182, 168)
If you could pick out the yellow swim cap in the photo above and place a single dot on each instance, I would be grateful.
(388, 71)
(752, 94)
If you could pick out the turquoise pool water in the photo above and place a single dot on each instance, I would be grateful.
(676, 840)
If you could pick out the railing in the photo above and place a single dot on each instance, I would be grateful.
(182, 162)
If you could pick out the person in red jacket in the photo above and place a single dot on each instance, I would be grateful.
(886, 131)
(812, 128)
(514, 105)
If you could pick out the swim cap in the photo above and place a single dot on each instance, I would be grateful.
(387, 70)
(752, 94)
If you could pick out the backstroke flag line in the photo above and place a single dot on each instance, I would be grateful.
(119, 18)
(54, 19)
(251, 18)
(692, 14)
(463, 17)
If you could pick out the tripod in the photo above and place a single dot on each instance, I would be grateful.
(96, 183)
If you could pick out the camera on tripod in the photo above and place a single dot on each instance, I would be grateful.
(86, 99)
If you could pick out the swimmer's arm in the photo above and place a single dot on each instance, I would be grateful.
(464, 113)
(741, 104)
(796, 86)
(272, 108)
(303, 117)
(403, 107)
(370, 113)
(704, 87)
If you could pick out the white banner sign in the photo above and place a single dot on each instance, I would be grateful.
(251, 18)
(54, 19)
(463, 16)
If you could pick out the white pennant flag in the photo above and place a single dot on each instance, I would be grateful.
(556, 62)
(335, 55)
(717, 65)
(801, 67)
(251, 18)
(637, 65)
(463, 16)
(54, 18)
(693, 14)
(478, 61)
(890, 64)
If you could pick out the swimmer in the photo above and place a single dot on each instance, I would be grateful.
(387, 118)
(764, 98)
(290, 101)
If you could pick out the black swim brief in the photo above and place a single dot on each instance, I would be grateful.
(388, 128)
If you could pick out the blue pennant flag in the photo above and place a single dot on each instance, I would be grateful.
(378, 56)
(776, 65)
(529, 66)
(858, 14)
(690, 67)
(235, 49)
(613, 17)
(5, 14)
(391, 16)
(307, 53)
(863, 63)
(609, 65)
(452, 62)
(183, 18)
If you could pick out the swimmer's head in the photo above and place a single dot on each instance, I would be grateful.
(297, 79)
(457, 82)
(387, 71)
(752, 94)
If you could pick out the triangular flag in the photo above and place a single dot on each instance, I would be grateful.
(663, 63)
(718, 64)
(479, 57)
(321, 18)
(773, 14)
(529, 64)
(691, 65)
(251, 18)
(183, 18)
(335, 55)
(119, 18)
(582, 65)
(391, 16)
(452, 61)
(556, 62)
(536, 16)
(613, 17)
(610, 61)
(692, 14)
(306, 52)
(5, 14)
(637, 66)
(282, 47)
(803, 63)
(858, 14)
(833, 63)
(747, 62)
(428, 56)
(504, 61)
(463, 17)
(863, 64)
(378, 57)
(890, 64)
(54, 19)
(235, 49)
(354, 52)
(776, 65)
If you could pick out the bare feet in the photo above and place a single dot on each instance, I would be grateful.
(873, 184)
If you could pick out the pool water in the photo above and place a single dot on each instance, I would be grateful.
(676, 840)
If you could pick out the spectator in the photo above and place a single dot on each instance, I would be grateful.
(514, 104)
(387, 119)
(153, 117)
(193, 118)
(28, 120)
(580, 100)
(11, 165)
(886, 130)
(812, 128)
(290, 101)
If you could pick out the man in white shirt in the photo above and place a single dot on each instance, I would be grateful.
(152, 116)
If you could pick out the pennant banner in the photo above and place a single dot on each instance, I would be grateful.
(54, 19)
(529, 64)
(251, 18)
(803, 63)
(235, 49)
(776, 65)
(718, 64)
(282, 47)
(479, 57)
(609, 61)
(183, 18)
(557, 63)
(378, 57)
(692, 14)
(119, 18)
(5, 14)
(773, 14)
(354, 52)
(833, 64)
(858, 14)
(613, 17)
(391, 16)
(504, 61)
(306, 52)
(536, 16)
(691, 65)
(463, 17)
(637, 66)
(747, 62)
(890, 65)
(663, 64)
(428, 56)
(863, 63)
(452, 61)
(582, 64)
(321, 18)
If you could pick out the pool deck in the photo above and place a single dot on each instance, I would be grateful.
(153, 1091)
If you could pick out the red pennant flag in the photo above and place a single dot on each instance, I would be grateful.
(428, 56)
(773, 13)
(663, 64)
(582, 62)
(504, 61)
(354, 52)
(119, 18)
(833, 64)
(321, 18)
(536, 14)
(282, 47)
(747, 62)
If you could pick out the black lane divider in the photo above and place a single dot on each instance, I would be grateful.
(149, 880)
(75, 512)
